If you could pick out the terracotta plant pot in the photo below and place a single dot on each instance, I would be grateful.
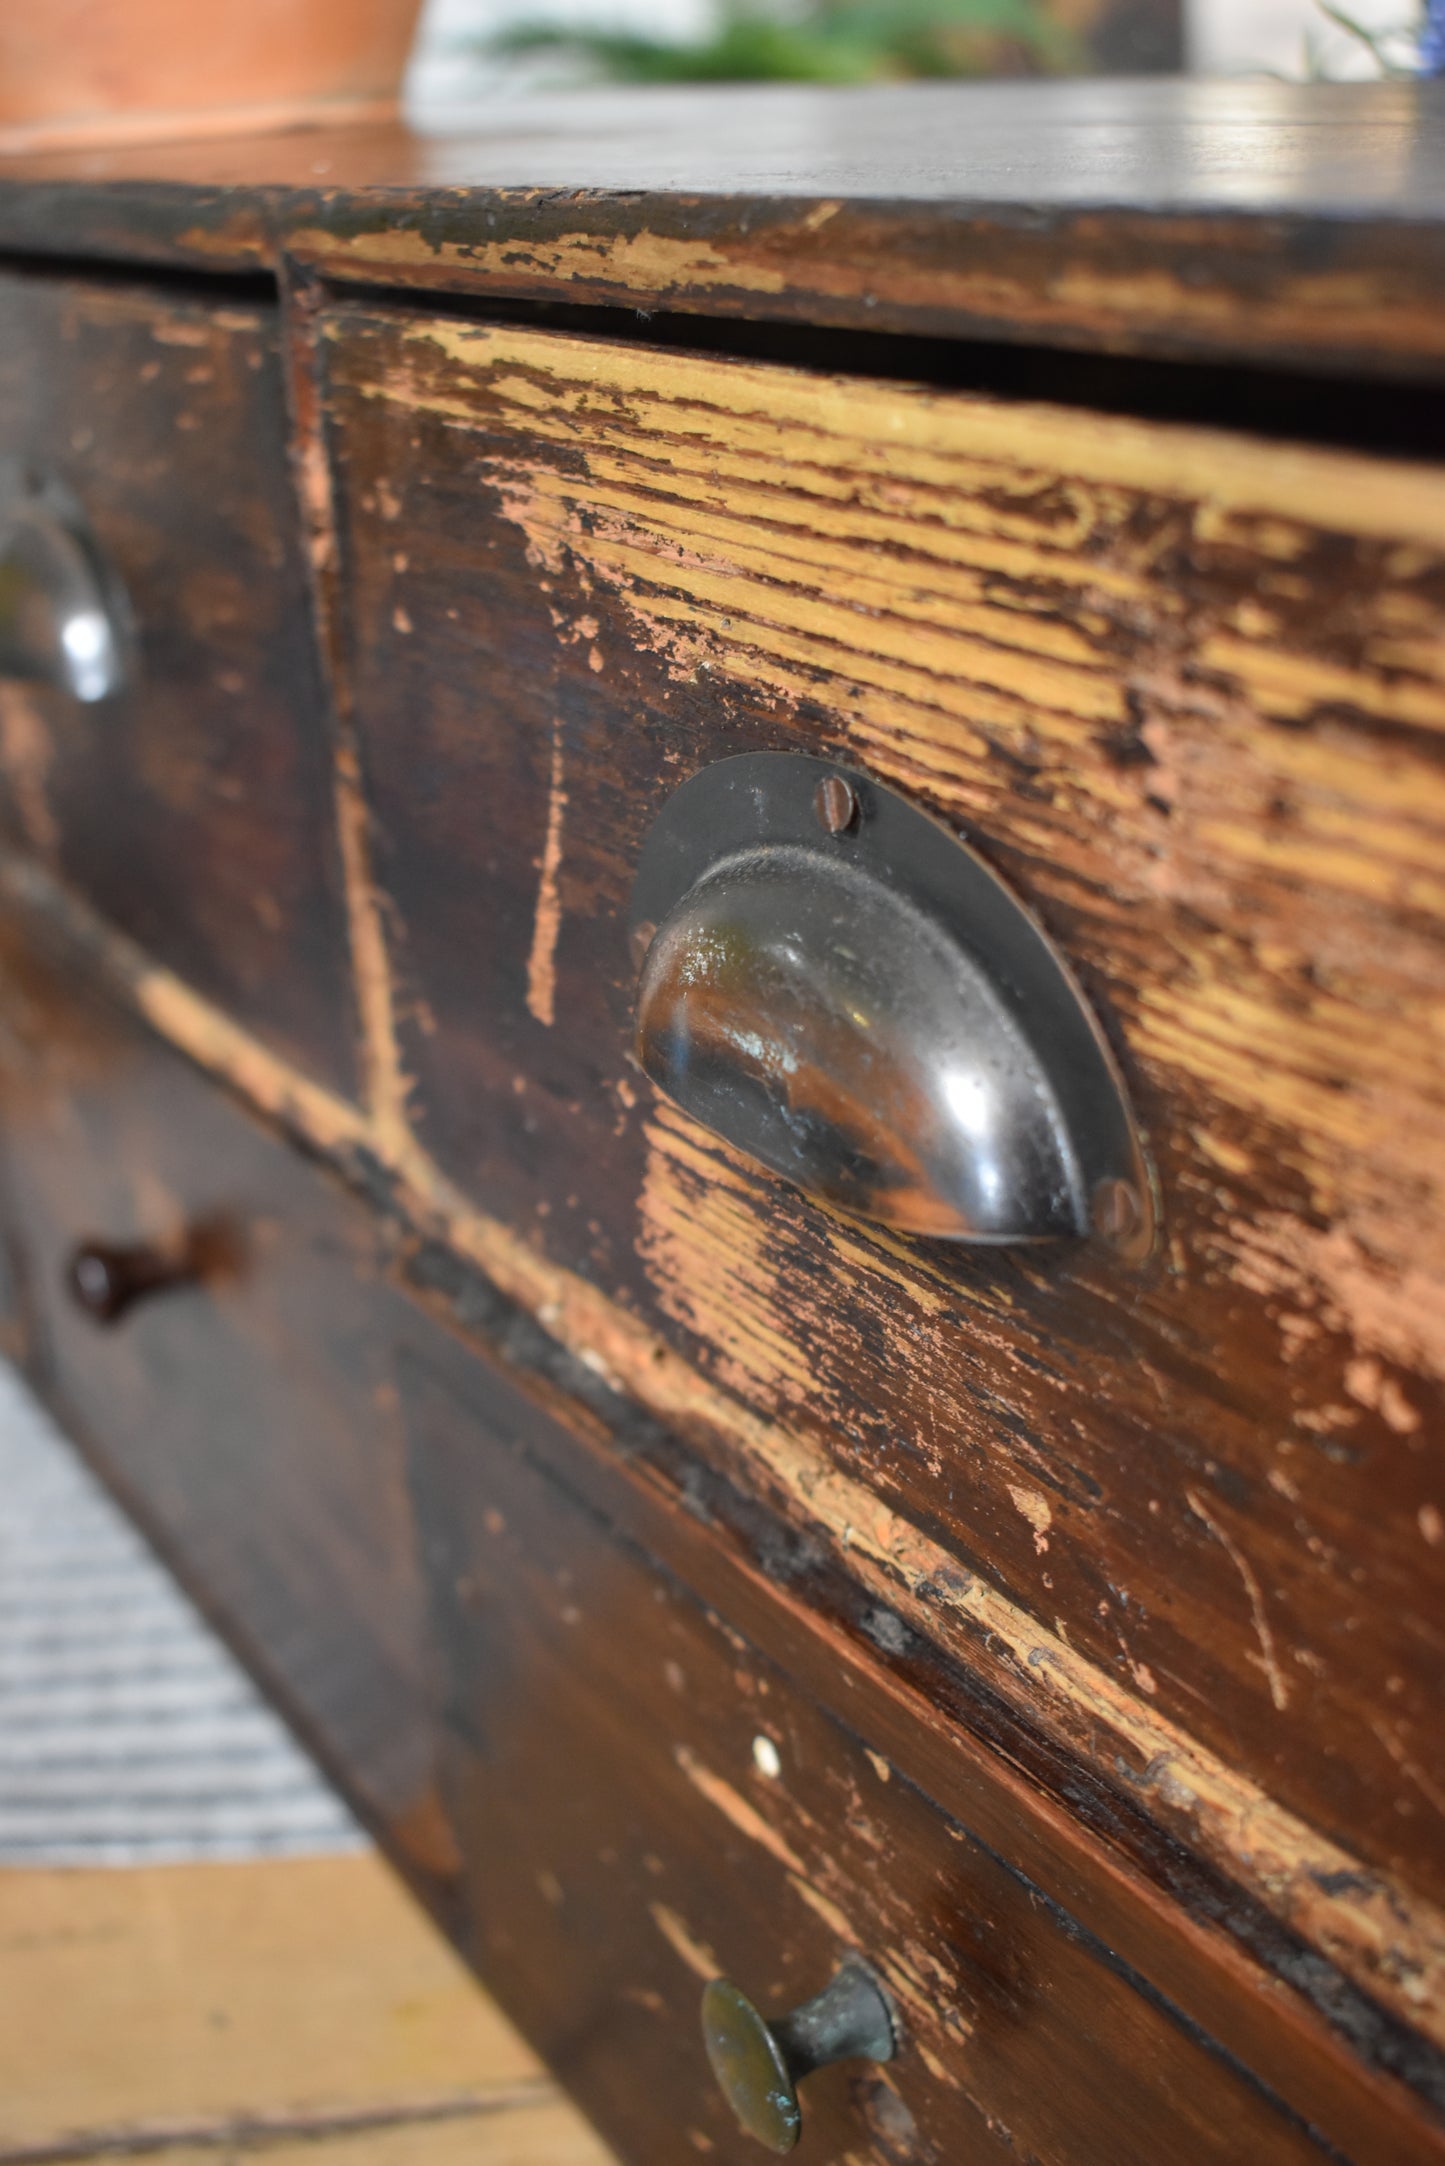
(80, 70)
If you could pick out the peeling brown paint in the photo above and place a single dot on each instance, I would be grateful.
(1036, 1510)
(1110, 661)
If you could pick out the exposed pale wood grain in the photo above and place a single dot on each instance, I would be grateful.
(1189, 691)
(229, 2009)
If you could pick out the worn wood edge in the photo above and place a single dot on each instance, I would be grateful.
(1320, 292)
(384, 1086)
(1379, 1934)
(157, 225)
(965, 270)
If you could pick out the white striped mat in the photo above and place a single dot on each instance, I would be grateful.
(127, 1733)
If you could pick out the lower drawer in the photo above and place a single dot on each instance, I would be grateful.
(643, 1800)
(608, 1790)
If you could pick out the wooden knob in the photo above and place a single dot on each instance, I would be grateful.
(106, 1278)
(759, 2065)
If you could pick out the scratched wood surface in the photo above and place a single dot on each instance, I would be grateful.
(196, 808)
(296, 2009)
(714, 1821)
(1164, 1545)
(296, 1532)
(1275, 221)
(1187, 693)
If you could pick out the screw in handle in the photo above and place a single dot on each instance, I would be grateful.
(759, 2065)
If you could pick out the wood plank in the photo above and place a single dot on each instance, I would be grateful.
(181, 2005)
(534, 2134)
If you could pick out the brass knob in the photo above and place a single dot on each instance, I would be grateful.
(759, 2065)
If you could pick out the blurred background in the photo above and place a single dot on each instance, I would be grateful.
(78, 71)
(470, 49)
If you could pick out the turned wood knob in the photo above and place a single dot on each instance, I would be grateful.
(759, 2064)
(105, 1279)
(108, 1278)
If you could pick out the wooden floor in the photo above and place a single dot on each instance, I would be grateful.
(299, 2012)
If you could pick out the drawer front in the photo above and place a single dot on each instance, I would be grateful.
(645, 1802)
(1187, 694)
(247, 1419)
(194, 807)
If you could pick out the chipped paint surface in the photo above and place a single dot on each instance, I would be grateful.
(1101, 645)
(735, 1808)
(865, 278)
(1036, 1509)
(698, 1957)
(547, 924)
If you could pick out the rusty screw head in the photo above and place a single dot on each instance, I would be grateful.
(1116, 1211)
(836, 804)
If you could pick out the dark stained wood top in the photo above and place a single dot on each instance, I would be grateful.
(1304, 224)
(1341, 150)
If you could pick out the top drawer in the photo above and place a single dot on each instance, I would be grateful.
(194, 809)
(1188, 692)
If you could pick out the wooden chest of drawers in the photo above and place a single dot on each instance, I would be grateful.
(686, 1575)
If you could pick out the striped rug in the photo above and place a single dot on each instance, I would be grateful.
(127, 1733)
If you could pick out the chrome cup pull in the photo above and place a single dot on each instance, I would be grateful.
(834, 983)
